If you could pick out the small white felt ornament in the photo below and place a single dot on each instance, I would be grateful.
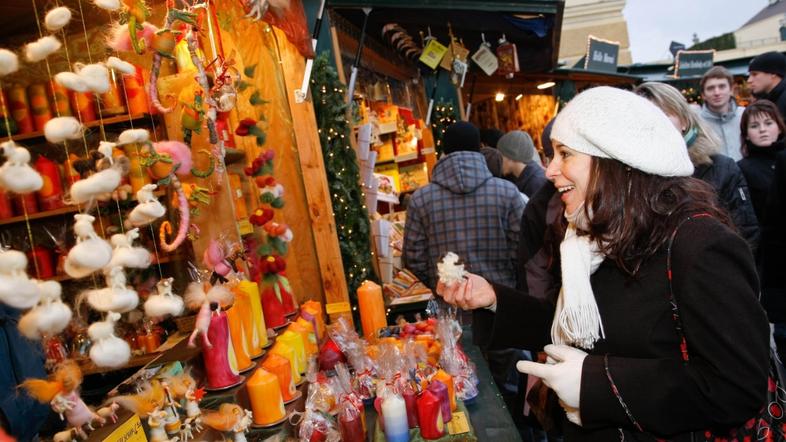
(91, 253)
(9, 62)
(107, 5)
(98, 184)
(50, 317)
(71, 81)
(115, 297)
(16, 289)
(129, 136)
(125, 254)
(95, 76)
(108, 350)
(42, 48)
(16, 174)
(121, 66)
(59, 129)
(165, 303)
(148, 208)
(57, 18)
(449, 270)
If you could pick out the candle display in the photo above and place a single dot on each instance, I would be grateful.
(442, 376)
(218, 368)
(50, 196)
(282, 369)
(259, 335)
(394, 413)
(20, 109)
(111, 102)
(39, 105)
(312, 311)
(440, 390)
(285, 350)
(372, 309)
(295, 340)
(60, 105)
(264, 394)
(430, 416)
(235, 321)
(304, 328)
(83, 105)
(136, 96)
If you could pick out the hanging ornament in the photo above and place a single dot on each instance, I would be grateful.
(508, 58)
(16, 175)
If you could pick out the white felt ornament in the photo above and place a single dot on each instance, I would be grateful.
(107, 5)
(115, 297)
(449, 270)
(148, 208)
(90, 253)
(133, 136)
(125, 254)
(71, 81)
(50, 317)
(95, 76)
(16, 289)
(9, 62)
(97, 185)
(108, 350)
(16, 174)
(42, 48)
(165, 303)
(121, 66)
(57, 18)
(59, 129)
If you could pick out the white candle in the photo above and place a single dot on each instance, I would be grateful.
(394, 412)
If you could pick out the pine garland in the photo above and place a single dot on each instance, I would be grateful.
(444, 115)
(349, 208)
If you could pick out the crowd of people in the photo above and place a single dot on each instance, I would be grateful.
(632, 268)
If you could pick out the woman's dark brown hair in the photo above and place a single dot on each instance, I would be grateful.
(760, 107)
(633, 213)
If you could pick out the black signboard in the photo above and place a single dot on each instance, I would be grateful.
(602, 55)
(693, 63)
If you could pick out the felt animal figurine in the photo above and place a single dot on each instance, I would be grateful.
(60, 129)
(49, 317)
(102, 183)
(95, 76)
(135, 13)
(16, 175)
(108, 350)
(165, 161)
(9, 62)
(71, 81)
(109, 413)
(199, 296)
(57, 18)
(125, 254)
(65, 436)
(157, 421)
(121, 66)
(164, 47)
(120, 39)
(225, 419)
(91, 253)
(218, 259)
(256, 9)
(144, 403)
(115, 297)
(242, 426)
(148, 208)
(165, 303)
(42, 48)
(16, 289)
(61, 391)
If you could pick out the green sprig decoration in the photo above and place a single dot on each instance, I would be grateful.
(444, 115)
(349, 207)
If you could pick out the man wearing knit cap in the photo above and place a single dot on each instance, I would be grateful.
(765, 78)
(519, 162)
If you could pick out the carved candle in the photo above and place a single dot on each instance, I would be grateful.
(430, 416)
(264, 394)
(281, 368)
(285, 350)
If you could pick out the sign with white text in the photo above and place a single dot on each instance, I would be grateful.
(602, 55)
(693, 63)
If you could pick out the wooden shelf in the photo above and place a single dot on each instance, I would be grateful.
(166, 259)
(106, 121)
(88, 367)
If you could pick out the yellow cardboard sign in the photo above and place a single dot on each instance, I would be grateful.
(433, 53)
(130, 431)
(337, 307)
(458, 423)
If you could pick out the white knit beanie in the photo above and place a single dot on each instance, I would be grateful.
(607, 122)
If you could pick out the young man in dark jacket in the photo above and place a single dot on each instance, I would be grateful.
(519, 162)
(765, 78)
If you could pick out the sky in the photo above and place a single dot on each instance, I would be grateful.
(653, 24)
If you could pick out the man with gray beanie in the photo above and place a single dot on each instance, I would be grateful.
(519, 162)
(765, 78)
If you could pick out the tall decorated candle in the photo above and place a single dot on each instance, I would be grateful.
(295, 340)
(264, 393)
(442, 376)
(372, 309)
(285, 350)
(394, 413)
(280, 366)
(218, 367)
(304, 330)
(234, 317)
(259, 337)
(430, 416)
(312, 311)
(440, 390)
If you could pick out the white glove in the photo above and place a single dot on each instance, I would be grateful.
(563, 376)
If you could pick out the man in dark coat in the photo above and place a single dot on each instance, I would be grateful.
(519, 162)
(765, 78)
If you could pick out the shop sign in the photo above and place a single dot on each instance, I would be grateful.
(130, 431)
(693, 63)
(602, 55)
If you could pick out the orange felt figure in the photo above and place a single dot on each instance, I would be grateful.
(225, 419)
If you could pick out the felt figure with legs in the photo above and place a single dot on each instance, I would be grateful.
(148, 208)
(164, 303)
(90, 253)
(199, 296)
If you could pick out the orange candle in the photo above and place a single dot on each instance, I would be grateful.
(259, 336)
(83, 106)
(285, 350)
(295, 340)
(135, 94)
(312, 311)
(20, 109)
(279, 366)
(264, 394)
(243, 305)
(238, 340)
(39, 105)
(305, 330)
(111, 102)
(60, 105)
(442, 376)
(372, 309)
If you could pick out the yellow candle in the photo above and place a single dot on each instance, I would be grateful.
(305, 330)
(295, 340)
(283, 349)
(313, 309)
(264, 394)
(238, 342)
(279, 366)
(442, 376)
(372, 309)
(243, 305)
(260, 330)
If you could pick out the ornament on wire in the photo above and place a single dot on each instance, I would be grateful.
(124, 67)
(100, 185)
(148, 208)
(57, 18)
(108, 350)
(9, 62)
(91, 253)
(16, 289)
(42, 48)
(49, 317)
(16, 175)
(164, 303)
(60, 129)
(107, 5)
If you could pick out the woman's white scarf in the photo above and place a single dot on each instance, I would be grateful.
(576, 318)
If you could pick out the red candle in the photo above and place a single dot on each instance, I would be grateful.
(351, 427)
(441, 391)
(430, 416)
(6, 209)
(217, 367)
(83, 105)
(411, 402)
(272, 308)
(41, 257)
(39, 105)
(330, 355)
(50, 197)
(25, 204)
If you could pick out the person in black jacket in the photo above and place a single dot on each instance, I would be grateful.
(618, 366)
(719, 171)
(773, 253)
(765, 78)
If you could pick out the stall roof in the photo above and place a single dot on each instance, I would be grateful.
(534, 25)
(664, 71)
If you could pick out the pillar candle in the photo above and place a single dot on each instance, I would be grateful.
(39, 105)
(243, 305)
(304, 330)
(59, 101)
(330, 355)
(287, 299)
(410, 401)
(50, 196)
(264, 394)
(440, 390)
(137, 176)
(135, 94)
(20, 109)
(372, 309)
(217, 358)
(282, 369)
(285, 350)
(238, 339)
(312, 311)
(111, 101)
(442, 376)
(83, 106)
(259, 336)
(272, 308)
(351, 427)
(295, 340)
(394, 412)
(430, 416)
